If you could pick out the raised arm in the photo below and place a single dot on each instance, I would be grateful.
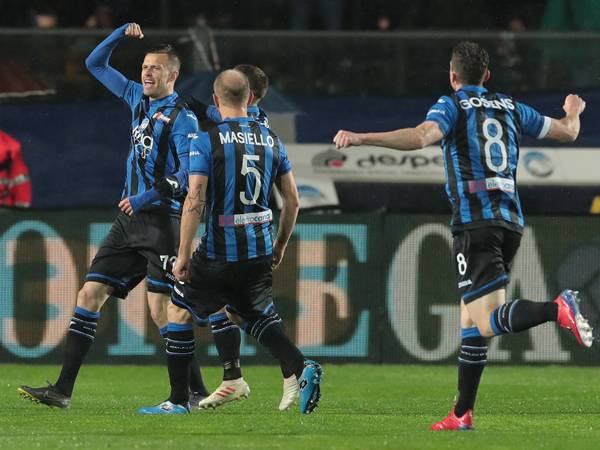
(97, 61)
(567, 128)
(425, 134)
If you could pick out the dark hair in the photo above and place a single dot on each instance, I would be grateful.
(469, 61)
(257, 78)
(167, 49)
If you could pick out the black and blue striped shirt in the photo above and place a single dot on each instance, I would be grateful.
(242, 159)
(482, 133)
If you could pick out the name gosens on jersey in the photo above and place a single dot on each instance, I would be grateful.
(482, 133)
(242, 158)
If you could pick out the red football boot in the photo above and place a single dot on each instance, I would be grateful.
(570, 317)
(453, 423)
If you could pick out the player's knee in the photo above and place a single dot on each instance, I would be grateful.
(90, 299)
(485, 329)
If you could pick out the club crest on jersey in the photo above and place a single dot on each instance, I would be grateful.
(160, 116)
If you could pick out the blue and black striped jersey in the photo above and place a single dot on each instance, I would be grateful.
(161, 132)
(242, 159)
(161, 135)
(482, 132)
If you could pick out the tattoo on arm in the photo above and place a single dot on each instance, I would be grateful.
(195, 203)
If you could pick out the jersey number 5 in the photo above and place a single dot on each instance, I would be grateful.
(491, 140)
(246, 169)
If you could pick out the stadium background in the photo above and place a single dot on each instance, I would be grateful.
(368, 276)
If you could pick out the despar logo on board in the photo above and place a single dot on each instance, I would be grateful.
(538, 164)
(330, 158)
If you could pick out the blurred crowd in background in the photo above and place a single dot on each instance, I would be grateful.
(49, 63)
(382, 15)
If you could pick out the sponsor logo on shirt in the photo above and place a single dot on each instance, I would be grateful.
(160, 116)
(464, 283)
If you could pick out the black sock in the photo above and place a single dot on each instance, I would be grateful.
(81, 335)
(196, 382)
(268, 332)
(227, 337)
(520, 315)
(471, 362)
(180, 349)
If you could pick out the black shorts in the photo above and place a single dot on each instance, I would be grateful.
(143, 245)
(245, 287)
(483, 259)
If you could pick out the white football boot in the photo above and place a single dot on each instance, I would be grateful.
(291, 392)
(228, 391)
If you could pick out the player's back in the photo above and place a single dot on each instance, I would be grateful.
(242, 159)
(482, 133)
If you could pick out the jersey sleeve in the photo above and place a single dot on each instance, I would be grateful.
(132, 94)
(285, 165)
(185, 130)
(200, 155)
(444, 113)
(532, 122)
(98, 65)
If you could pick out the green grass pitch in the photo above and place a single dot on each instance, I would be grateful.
(363, 407)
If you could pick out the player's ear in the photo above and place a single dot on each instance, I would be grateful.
(454, 82)
(215, 100)
(173, 75)
(486, 76)
(250, 99)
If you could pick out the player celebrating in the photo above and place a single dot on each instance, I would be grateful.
(233, 167)
(226, 335)
(145, 235)
(480, 133)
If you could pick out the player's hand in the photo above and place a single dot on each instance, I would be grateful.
(345, 139)
(134, 31)
(181, 269)
(278, 252)
(125, 206)
(574, 105)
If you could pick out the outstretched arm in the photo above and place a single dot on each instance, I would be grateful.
(416, 138)
(97, 61)
(567, 128)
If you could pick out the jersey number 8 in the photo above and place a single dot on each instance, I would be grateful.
(491, 140)
(246, 169)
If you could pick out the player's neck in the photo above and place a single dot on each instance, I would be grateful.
(230, 113)
(161, 95)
